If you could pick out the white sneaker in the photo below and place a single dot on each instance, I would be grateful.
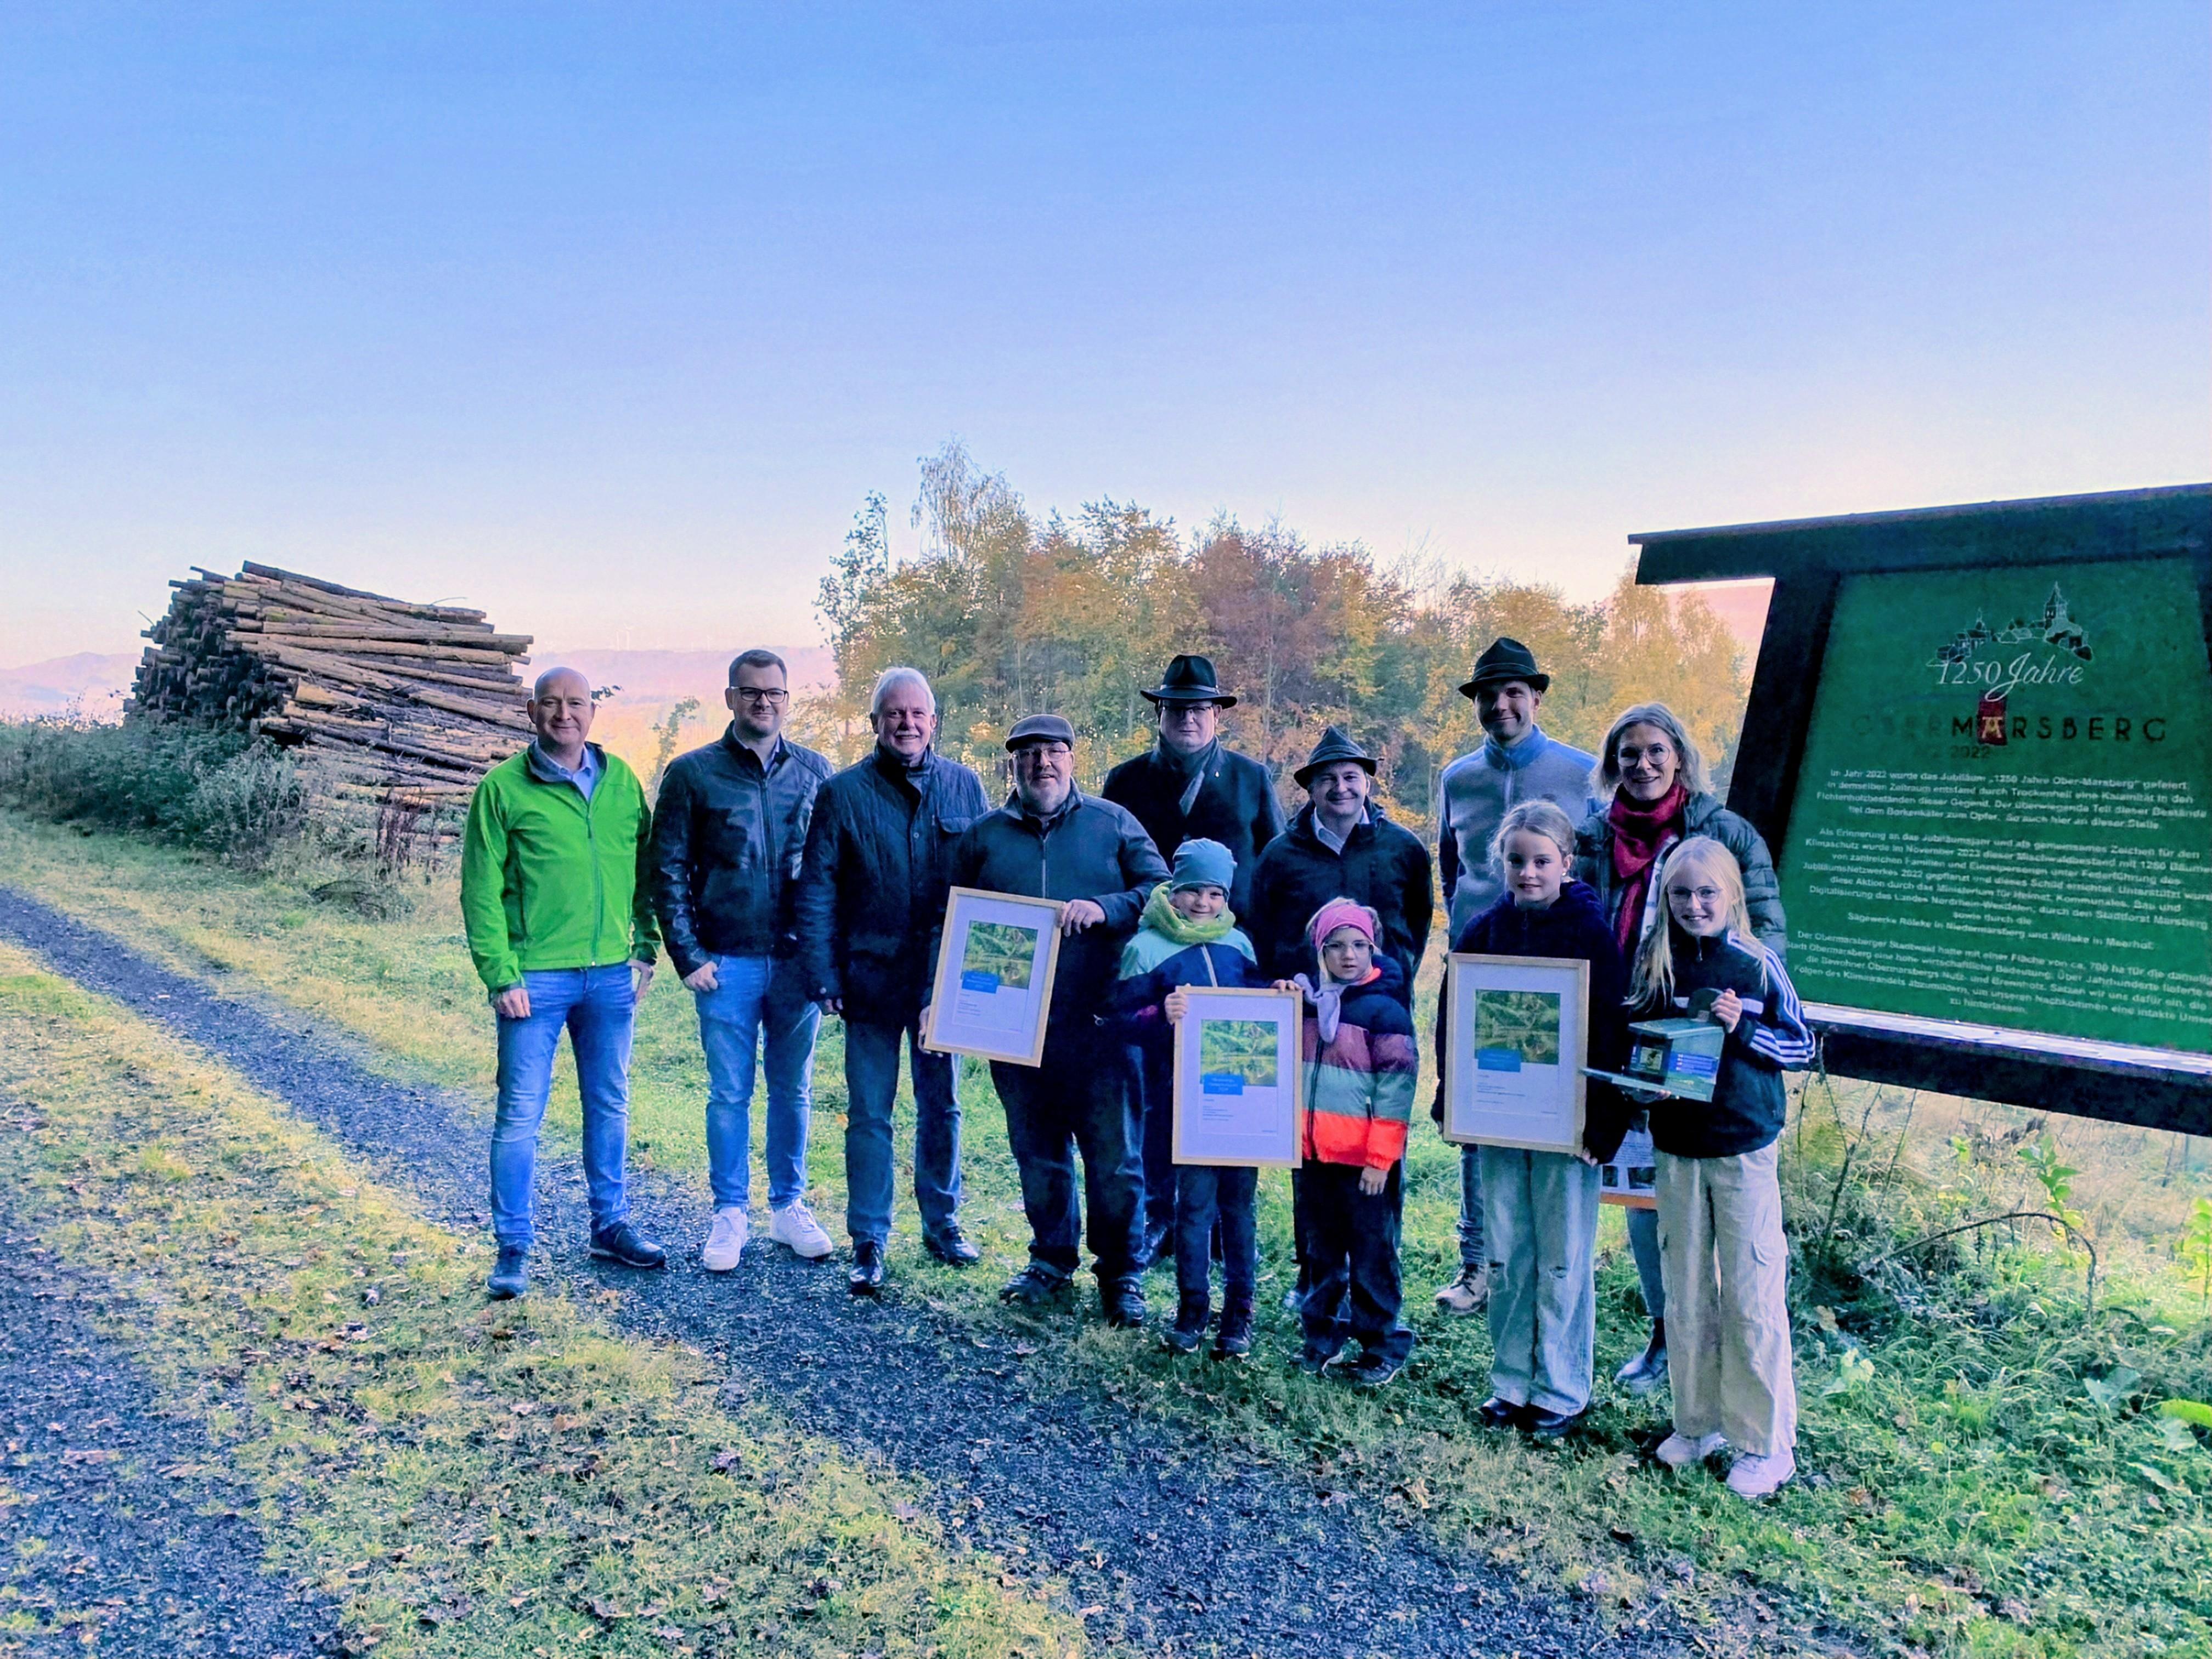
(1468, 1294)
(1755, 1477)
(1677, 1452)
(725, 1240)
(794, 1227)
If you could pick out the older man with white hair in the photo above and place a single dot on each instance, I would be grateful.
(872, 890)
(559, 913)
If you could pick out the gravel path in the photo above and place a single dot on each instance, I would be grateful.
(1175, 1550)
(117, 1534)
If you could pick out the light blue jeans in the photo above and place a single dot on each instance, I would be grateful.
(597, 1007)
(756, 1010)
(1540, 1219)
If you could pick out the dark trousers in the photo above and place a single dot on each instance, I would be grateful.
(1204, 1196)
(872, 1072)
(1349, 1241)
(1076, 1101)
(1152, 1077)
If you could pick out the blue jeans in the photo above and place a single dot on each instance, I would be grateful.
(1540, 1211)
(757, 1007)
(1643, 1241)
(596, 1007)
(1204, 1195)
(1470, 1207)
(872, 1068)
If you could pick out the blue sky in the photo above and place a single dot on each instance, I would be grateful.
(605, 318)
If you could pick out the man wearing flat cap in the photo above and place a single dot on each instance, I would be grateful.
(1340, 845)
(1190, 786)
(1517, 763)
(1052, 840)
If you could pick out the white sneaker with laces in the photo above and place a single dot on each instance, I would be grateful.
(794, 1227)
(725, 1240)
(1468, 1294)
(1677, 1452)
(1756, 1477)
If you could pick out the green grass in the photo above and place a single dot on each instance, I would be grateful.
(465, 1479)
(1968, 1495)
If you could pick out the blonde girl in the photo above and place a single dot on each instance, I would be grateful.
(1720, 1245)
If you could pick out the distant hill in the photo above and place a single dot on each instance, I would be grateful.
(89, 681)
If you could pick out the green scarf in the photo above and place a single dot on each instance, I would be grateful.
(1162, 918)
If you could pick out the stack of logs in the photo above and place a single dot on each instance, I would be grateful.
(410, 704)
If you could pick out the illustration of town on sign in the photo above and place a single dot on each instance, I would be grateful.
(2057, 628)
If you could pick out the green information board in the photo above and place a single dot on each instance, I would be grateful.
(2000, 812)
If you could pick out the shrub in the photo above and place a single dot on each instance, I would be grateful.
(239, 800)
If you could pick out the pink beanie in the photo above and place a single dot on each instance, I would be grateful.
(1340, 913)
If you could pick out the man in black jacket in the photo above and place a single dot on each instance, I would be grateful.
(728, 833)
(1189, 787)
(872, 889)
(1340, 845)
(1051, 840)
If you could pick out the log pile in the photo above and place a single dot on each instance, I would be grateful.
(398, 702)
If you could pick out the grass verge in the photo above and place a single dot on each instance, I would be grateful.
(487, 1481)
(1985, 1473)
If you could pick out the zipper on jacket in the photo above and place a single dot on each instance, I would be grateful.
(598, 876)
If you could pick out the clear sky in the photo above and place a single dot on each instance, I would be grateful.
(606, 317)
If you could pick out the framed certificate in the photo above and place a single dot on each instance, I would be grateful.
(993, 982)
(1518, 1030)
(1237, 1078)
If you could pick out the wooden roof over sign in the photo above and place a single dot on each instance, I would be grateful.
(2120, 524)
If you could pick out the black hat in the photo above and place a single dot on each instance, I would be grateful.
(1335, 744)
(1040, 728)
(1506, 659)
(1190, 680)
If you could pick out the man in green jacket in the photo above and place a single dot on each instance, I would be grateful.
(559, 913)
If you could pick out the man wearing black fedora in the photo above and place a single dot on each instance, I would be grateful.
(1517, 763)
(1188, 787)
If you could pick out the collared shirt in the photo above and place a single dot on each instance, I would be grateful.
(585, 775)
(1329, 838)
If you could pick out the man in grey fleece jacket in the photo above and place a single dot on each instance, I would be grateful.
(1517, 763)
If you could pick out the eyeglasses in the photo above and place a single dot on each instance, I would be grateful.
(1029, 753)
(1702, 895)
(754, 694)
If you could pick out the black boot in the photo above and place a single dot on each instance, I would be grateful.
(1122, 1300)
(1189, 1328)
(1234, 1341)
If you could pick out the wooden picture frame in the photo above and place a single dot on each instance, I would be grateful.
(991, 995)
(1518, 1036)
(1221, 1118)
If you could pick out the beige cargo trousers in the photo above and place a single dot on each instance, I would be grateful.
(1723, 1255)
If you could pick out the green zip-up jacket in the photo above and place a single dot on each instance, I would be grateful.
(550, 880)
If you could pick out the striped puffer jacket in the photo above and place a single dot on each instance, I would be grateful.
(1359, 1086)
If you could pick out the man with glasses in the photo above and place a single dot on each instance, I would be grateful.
(728, 835)
(1052, 840)
(1189, 787)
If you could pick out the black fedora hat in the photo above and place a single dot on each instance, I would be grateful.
(1506, 659)
(1335, 744)
(1190, 680)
